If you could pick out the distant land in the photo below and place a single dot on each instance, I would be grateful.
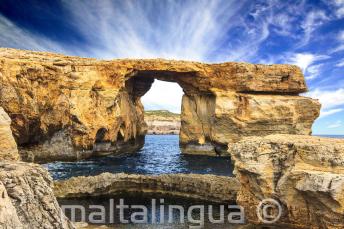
(162, 122)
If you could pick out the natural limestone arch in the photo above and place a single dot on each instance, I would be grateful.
(61, 102)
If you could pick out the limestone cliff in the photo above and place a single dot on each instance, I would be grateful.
(67, 108)
(304, 174)
(27, 199)
(203, 187)
(8, 146)
(162, 122)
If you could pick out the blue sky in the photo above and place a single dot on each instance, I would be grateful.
(306, 33)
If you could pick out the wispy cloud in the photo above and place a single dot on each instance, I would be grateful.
(314, 19)
(331, 101)
(189, 30)
(340, 63)
(340, 36)
(336, 124)
(329, 112)
(338, 8)
(14, 36)
(306, 62)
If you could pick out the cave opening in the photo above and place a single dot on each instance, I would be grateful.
(100, 135)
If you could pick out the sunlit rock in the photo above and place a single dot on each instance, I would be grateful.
(304, 174)
(92, 107)
(8, 146)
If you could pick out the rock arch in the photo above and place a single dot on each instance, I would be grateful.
(222, 102)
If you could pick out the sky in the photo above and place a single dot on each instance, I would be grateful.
(309, 34)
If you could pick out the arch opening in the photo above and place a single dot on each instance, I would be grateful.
(178, 93)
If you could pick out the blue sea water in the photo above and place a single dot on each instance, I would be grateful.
(160, 155)
(330, 136)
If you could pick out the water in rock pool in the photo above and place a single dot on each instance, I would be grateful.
(160, 155)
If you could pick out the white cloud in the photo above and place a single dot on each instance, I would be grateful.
(341, 36)
(339, 8)
(340, 39)
(16, 37)
(337, 124)
(313, 71)
(337, 49)
(306, 62)
(340, 63)
(188, 30)
(329, 112)
(331, 101)
(163, 96)
(313, 20)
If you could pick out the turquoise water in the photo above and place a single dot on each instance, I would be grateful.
(160, 155)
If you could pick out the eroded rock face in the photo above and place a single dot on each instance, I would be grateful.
(8, 213)
(203, 187)
(8, 146)
(94, 107)
(305, 174)
(27, 198)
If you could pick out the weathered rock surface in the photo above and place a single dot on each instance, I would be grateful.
(305, 174)
(92, 107)
(8, 146)
(204, 187)
(209, 123)
(8, 213)
(27, 200)
(162, 122)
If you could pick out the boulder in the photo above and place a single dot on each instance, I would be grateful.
(304, 174)
(27, 198)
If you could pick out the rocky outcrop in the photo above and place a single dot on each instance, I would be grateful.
(8, 146)
(304, 174)
(161, 122)
(203, 187)
(27, 200)
(92, 107)
(209, 123)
